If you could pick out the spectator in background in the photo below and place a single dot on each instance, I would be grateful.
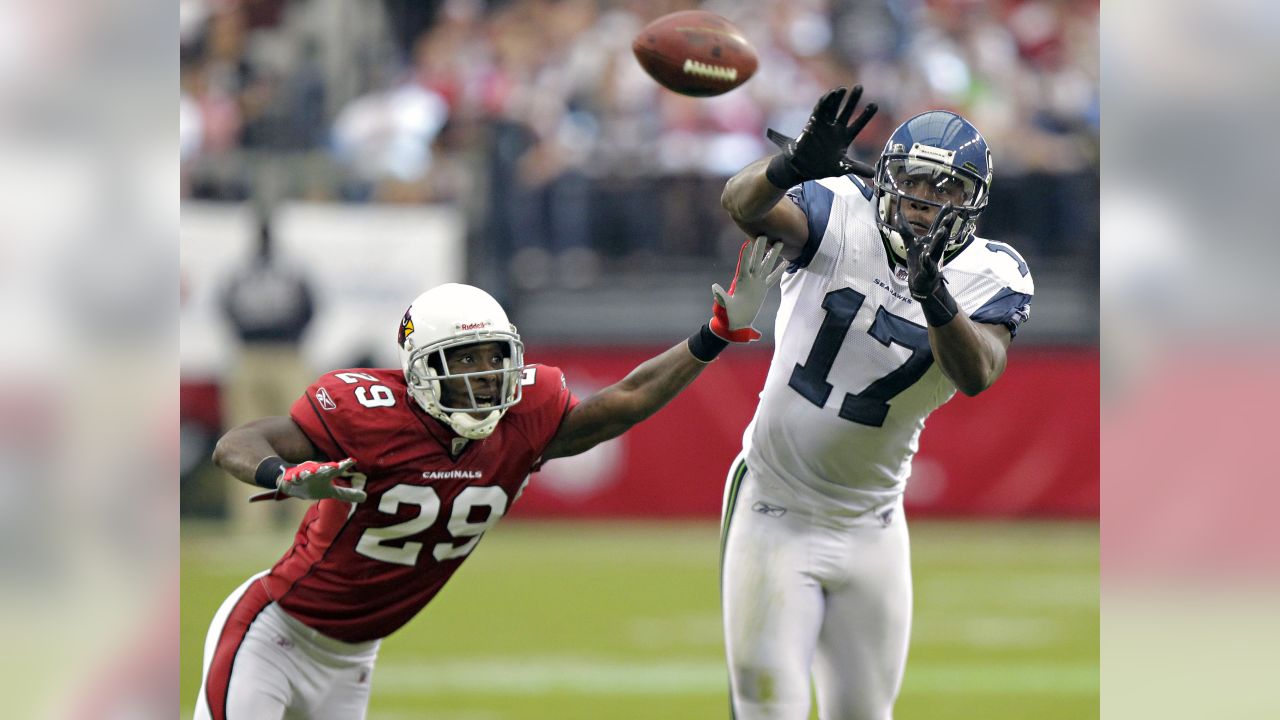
(534, 114)
(383, 141)
(285, 105)
(270, 306)
(552, 64)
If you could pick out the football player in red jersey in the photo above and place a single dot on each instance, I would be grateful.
(408, 468)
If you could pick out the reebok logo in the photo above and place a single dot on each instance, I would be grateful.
(326, 402)
(765, 508)
(886, 517)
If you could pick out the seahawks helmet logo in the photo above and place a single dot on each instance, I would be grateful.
(406, 328)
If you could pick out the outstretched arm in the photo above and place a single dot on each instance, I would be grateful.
(612, 411)
(752, 202)
(241, 450)
(653, 384)
(751, 196)
(273, 453)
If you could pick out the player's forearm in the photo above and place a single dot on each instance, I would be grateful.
(973, 359)
(614, 410)
(239, 452)
(657, 380)
(749, 195)
(242, 448)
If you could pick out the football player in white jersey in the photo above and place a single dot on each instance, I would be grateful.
(890, 305)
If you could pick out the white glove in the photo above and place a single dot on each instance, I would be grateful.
(734, 311)
(314, 481)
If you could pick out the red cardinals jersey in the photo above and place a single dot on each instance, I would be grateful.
(359, 572)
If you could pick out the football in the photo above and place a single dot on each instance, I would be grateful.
(695, 53)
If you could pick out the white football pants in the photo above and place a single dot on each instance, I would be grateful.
(809, 586)
(262, 664)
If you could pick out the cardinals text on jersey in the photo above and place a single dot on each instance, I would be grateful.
(359, 572)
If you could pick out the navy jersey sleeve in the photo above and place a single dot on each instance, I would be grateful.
(815, 201)
(1007, 307)
(1001, 288)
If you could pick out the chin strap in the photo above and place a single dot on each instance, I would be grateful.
(473, 428)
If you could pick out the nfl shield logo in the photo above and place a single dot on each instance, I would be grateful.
(901, 273)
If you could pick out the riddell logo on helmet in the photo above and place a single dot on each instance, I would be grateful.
(474, 325)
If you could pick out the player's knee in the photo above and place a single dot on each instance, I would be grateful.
(761, 692)
(756, 684)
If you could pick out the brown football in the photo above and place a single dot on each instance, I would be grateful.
(695, 53)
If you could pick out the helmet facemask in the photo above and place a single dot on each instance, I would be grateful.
(926, 176)
(427, 370)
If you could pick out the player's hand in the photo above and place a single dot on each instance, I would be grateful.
(924, 264)
(924, 254)
(314, 481)
(758, 270)
(821, 150)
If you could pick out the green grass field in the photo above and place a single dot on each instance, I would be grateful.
(578, 621)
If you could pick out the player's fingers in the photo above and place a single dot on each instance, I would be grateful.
(829, 104)
(859, 168)
(776, 274)
(867, 113)
(849, 105)
(940, 233)
(938, 244)
(345, 463)
(746, 260)
(942, 218)
(904, 228)
(758, 247)
(349, 494)
(719, 295)
(777, 138)
(771, 257)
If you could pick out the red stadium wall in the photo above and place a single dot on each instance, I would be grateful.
(1027, 447)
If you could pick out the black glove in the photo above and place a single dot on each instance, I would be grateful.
(924, 261)
(820, 150)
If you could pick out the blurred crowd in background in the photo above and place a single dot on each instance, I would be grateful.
(585, 190)
(533, 116)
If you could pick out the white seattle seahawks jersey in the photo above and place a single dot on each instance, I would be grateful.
(853, 377)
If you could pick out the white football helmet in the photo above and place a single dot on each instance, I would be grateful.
(448, 316)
